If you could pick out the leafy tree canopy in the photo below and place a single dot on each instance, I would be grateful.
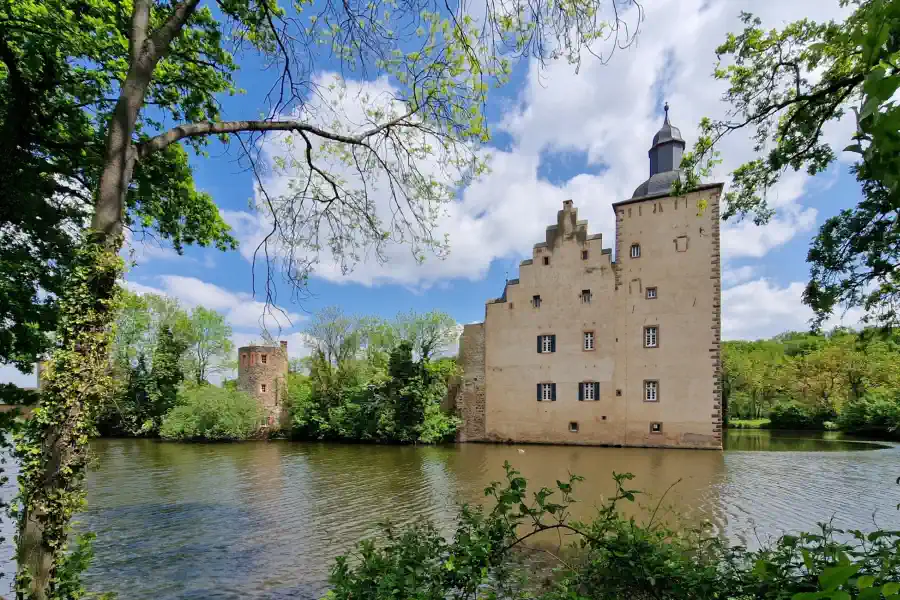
(786, 85)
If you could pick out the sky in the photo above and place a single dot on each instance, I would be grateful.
(557, 134)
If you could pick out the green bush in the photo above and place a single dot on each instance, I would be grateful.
(789, 415)
(207, 412)
(873, 414)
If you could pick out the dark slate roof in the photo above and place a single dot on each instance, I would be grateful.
(667, 133)
(657, 184)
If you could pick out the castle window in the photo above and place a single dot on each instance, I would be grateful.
(244, 359)
(651, 336)
(588, 340)
(262, 388)
(651, 293)
(536, 301)
(546, 344)
(546, 260)
(252, 358)
(546, 392)
(589, 391)
(655, 427)
(651, 390)
(584, 255)
(573, 426)
(585, 296)
(263, 358)
(635, 251)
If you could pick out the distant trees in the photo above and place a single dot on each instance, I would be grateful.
(821, 377)
(157, 346)
(376, 380)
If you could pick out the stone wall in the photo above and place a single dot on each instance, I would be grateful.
(262, 373)
(470, 394)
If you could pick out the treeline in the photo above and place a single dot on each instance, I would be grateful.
(161, 359)
(370, 379)
(844, 379)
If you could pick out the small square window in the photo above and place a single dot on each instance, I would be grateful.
(588, 340)
(603, 418)
(536, 301)
(618, 392)
(264, 358)
(651, 337)
(573, 426)
(635, 251)
(585, 296)
(546, 260)
(651, 391)
(655, 427)
(584, 255)
(262, 388)
(651, 293)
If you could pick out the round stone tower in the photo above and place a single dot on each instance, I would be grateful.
(262, 373)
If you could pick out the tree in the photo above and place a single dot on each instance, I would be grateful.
(137, 80)
(334, 335)
(787, 84)
(428, 334)
(209, 344)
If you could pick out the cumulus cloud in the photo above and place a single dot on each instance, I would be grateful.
(760, 309)
(606, 113)
(240, 309)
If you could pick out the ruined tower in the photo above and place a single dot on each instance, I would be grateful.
(262, 373)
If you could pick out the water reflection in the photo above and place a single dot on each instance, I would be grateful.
(265, 520)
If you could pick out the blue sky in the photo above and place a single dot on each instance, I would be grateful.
(557, 135)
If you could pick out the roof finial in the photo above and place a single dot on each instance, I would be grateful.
(666, 108)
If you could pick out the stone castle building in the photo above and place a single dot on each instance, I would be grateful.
(262, 373)
(584, 349)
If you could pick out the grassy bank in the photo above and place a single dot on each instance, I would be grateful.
(749, 423)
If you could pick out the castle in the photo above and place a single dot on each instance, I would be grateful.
(584, 349)
(262, 373)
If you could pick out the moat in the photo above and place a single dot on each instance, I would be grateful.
(264, 520)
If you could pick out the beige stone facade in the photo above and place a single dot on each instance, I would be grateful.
(632, 353)
(262, 373)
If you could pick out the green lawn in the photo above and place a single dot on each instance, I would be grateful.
(748, 423)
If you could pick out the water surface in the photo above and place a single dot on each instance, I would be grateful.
(265, 520)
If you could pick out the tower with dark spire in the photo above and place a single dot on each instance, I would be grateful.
(665, 158)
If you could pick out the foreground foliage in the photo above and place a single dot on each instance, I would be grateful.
(610, 557)
(806, 381)
(208, 412)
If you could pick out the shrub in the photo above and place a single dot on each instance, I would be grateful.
(873, 414)
(790, 415)
(207, 412)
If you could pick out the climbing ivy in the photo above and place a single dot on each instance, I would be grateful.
(75, 381)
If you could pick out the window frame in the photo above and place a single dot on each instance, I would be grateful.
(655, 329)
(635, 251)
(647, 384)
(263, 359)
(583, 388)
(550, 388)
(573, 426)
(536, 301)
(658, 431)
(584, 339)
(546, 261)
(586, 298)
(546, 343)
(584, 255)
(262, 388)
(653, 290)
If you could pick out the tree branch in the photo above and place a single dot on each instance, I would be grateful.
(209, 128)
(140, 21)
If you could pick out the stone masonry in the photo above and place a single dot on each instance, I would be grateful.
(262, 373)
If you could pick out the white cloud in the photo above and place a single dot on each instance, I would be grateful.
(240, 309)
(734, 276)
(760, 309)
(607, 112)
